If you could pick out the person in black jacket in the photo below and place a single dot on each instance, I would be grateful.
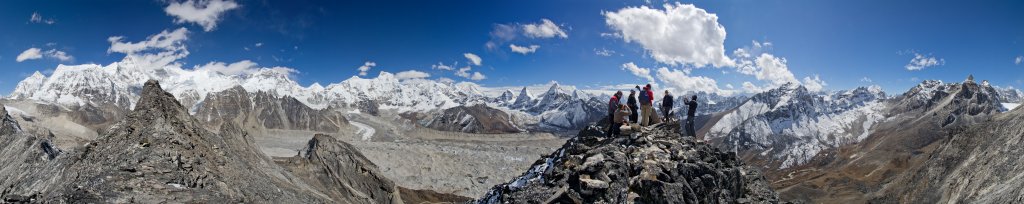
(631, 102)
(666, 106)
(690, 115)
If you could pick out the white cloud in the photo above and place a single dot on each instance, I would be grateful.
(411, 74)
(165, 40)
(524, 50)
(206, 13)
(680, 34)
(464, 72)
(866, 79)
(36, 53)
(477, 76)
(240, 67)
(59, 55)
(259, 44)
(638, 71)
(729, 86)
(1018, 60)
(681, 82)
(814, 84)
(473, 59)
(751, 88)
(922, 61)
(773, 70)
(159, 50)
(366, 67)
(603, 52)
(29, 54)
(36, 18)
(443, 66)
(545, 29)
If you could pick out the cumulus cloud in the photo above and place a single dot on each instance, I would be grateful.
(754, 60)
(814, 84)
(37, 18)
(866, 79)
(524, 50)
(751, 88)
(473, 59)
(638, 71)
(366, 67)
(36, 53)
(680, 80)
(477, 76)
(502, 34)
(205, 13)
(411, 74)
(240, 67)
(1018, 60)
(773, 70)
(920, 62)
(29, 54)
(545, 29)
(678, 35)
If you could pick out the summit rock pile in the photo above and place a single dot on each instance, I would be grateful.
(655, 166)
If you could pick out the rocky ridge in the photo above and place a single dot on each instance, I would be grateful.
(656, 166)
(159, 153)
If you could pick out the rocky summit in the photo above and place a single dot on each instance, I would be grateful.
(658, 165)
(159, 153)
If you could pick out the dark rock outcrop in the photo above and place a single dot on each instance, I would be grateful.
(471, 119)
(656, 166)
(335, 166)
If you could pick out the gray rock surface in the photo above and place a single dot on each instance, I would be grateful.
(471, 119)
(264, 110)
(159, 153)
(656, 166)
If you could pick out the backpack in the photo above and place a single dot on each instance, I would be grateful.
(644, 98)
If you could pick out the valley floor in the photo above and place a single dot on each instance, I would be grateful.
(417, 158)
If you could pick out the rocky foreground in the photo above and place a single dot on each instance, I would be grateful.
(159, 154)
(656, 166)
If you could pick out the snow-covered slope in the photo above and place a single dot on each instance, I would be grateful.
(118, 84)
(790, 124)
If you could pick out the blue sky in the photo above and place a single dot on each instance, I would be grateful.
(844, 43)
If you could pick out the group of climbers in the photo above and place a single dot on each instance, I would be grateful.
(630, 116)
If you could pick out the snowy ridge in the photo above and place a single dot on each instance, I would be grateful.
(118, 84)
(791, 124)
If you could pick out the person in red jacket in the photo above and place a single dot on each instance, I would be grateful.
(613, 106)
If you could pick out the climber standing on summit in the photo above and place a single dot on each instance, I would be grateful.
(613, 106)
(646, 105)
(631, 102)
(666, 106)
(690, 113)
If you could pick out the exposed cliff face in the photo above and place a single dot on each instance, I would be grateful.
(471, 119)
(656, 166)
(159, 153)
(265, 110)
(977, 164)
(918, 123)
(341, 172)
